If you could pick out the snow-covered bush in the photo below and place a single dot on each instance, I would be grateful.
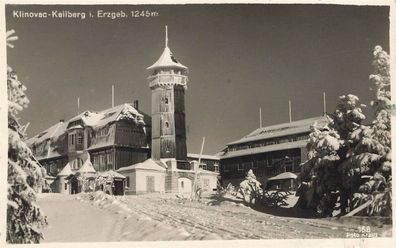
(349, 162)
(250, 189)
(25, 175)
(253, 194)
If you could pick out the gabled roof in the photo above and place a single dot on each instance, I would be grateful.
(87, 167)
(283, 176)
(110, 174)
(148, 164)
(284, 129)
(167, 60)
(66, 171)
(51, 133)
(102, 118)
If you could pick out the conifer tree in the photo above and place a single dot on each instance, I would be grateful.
(349, 162)
(25, 175)
(370, 160)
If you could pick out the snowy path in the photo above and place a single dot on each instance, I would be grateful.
(78, 218)
(233, 221)
(75, 218)
(72, 220)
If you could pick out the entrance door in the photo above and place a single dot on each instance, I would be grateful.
(150, 184)
(74, 186)
(118, 187)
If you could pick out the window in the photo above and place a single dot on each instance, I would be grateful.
(71, 139)
(110, 158)
(283, 140)
(240, 167)
(128, 182)
(80, 138)
(102, 160)
(303, 137)
(166, 100)
(182, 184)
(65, 186)
(95, 161)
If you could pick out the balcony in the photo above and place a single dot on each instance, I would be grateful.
(167, 80)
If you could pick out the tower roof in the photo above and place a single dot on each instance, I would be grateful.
(166, 60)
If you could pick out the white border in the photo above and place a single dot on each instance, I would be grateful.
(314, 243)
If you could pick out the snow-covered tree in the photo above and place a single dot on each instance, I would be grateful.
(370, 160)
(25, 175)
(327, 149)
(349, 162)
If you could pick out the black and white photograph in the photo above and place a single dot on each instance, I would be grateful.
(197, 122)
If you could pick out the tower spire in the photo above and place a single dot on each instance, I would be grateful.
(166, 35)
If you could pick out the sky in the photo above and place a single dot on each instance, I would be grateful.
(240, 58)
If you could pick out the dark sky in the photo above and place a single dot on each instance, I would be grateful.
(240, 57)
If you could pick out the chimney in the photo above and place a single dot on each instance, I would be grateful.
(136, 104)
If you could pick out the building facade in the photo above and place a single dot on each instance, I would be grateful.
(268, 151)
(108, 139)
(208, 162)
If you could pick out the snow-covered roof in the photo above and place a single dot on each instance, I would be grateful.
(51, 133)
(148, 164)
(102, 118)
(66, 171)
(269, 148)
(284, 129)
(87, 167)
(204, 156)
(282, 176)
(111, 173)
(167, 60)
(88, 118)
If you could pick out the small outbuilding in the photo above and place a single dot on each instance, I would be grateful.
(111, 182)
(145, 177)
(285, 181)
(61, 183)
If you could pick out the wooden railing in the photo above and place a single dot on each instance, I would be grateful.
(167, 79)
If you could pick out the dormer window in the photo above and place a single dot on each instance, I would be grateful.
(80, 138)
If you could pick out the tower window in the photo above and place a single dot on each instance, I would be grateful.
(166, 100)
(167, 124)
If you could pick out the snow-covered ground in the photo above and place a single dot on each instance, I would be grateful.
(100, 217)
